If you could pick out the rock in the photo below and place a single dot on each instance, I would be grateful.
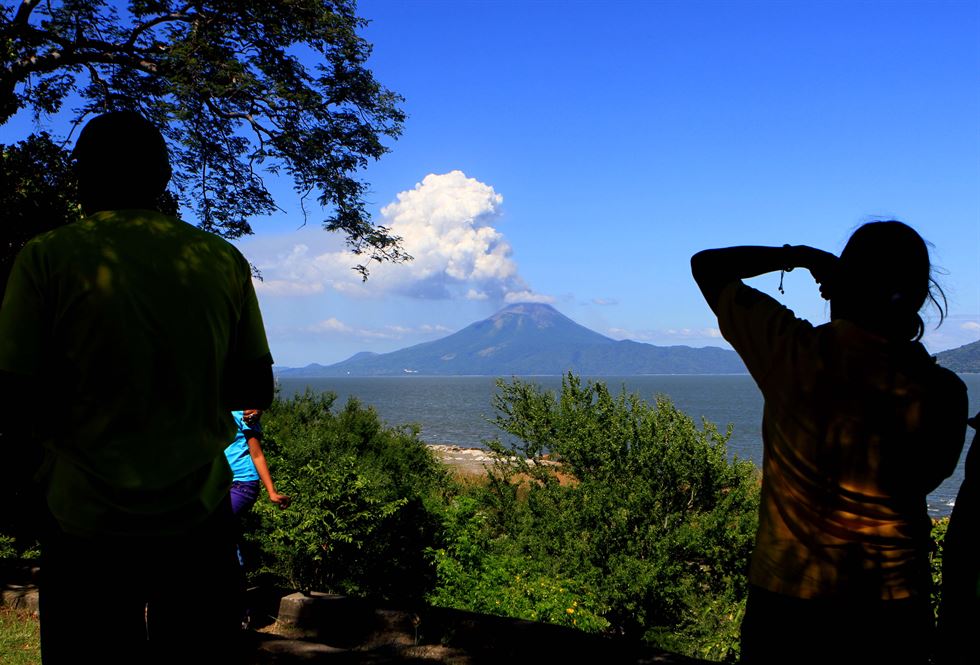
(20, 597)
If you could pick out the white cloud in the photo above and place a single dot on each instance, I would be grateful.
(293, 272)
(526, 296)
(447, 223)
(622, 333)
(286, 287)
(334, 326)
(950, 336)
(687, 333)
(330, 325)
(666, 335)
(437, 328)
(604, 301)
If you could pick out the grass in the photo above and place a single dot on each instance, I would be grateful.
(20, 637)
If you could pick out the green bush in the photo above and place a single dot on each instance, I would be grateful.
(939, 527)
(635, 512)
(479, 577)
(364, 505)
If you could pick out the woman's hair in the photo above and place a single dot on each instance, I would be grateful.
(884, 277)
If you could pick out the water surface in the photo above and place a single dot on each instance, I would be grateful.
(457, 409)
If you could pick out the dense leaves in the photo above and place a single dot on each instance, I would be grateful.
(37, 194)
(244, 87)
(625, 515)
(362, 514)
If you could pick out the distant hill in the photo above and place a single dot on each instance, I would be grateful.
(964, 358)
(530, 339)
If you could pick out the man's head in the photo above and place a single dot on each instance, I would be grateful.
(121, 161)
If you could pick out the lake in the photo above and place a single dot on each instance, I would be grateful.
(456, 409)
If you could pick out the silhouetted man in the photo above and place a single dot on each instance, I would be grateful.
(135, 335)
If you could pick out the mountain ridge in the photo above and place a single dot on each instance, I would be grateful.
(529, 339)
(965, 359)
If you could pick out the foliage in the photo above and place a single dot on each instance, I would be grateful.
(15, 545)
(362, 514)
(936, 560)
(240, 86)
(8, 547)
(20, 637)
(37, 194)
(476, 576)
(629, 507)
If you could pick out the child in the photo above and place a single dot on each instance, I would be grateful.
(248, 466)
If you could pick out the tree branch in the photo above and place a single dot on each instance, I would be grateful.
(24, 11)
(53, 60)
(257, 127)
(179, 16)
(97, 80)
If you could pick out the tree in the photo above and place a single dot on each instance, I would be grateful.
(36, 194)
(241, 88)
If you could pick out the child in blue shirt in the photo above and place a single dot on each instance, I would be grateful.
(248, 465)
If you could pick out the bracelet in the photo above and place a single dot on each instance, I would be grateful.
(787, 267)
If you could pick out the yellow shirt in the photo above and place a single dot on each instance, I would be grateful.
(857, 431)
(128, 320)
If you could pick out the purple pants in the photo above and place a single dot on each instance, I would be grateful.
(243, 495)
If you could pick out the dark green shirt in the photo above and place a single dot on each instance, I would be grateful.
(128, 320)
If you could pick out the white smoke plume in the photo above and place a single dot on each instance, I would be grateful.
(447, 223)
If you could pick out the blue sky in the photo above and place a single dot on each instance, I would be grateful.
(578, 153)
(599, 145)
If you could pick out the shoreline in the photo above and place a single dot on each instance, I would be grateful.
(474, 461)
(462, 459)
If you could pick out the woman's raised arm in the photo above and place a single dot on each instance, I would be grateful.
(713, 269)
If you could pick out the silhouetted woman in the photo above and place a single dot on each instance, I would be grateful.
(859, 425)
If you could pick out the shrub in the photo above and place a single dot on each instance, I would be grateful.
(939, 527)
(633, 508)
(477, 576)
(362, 514)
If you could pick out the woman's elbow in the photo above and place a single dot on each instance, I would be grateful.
(701, 267)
